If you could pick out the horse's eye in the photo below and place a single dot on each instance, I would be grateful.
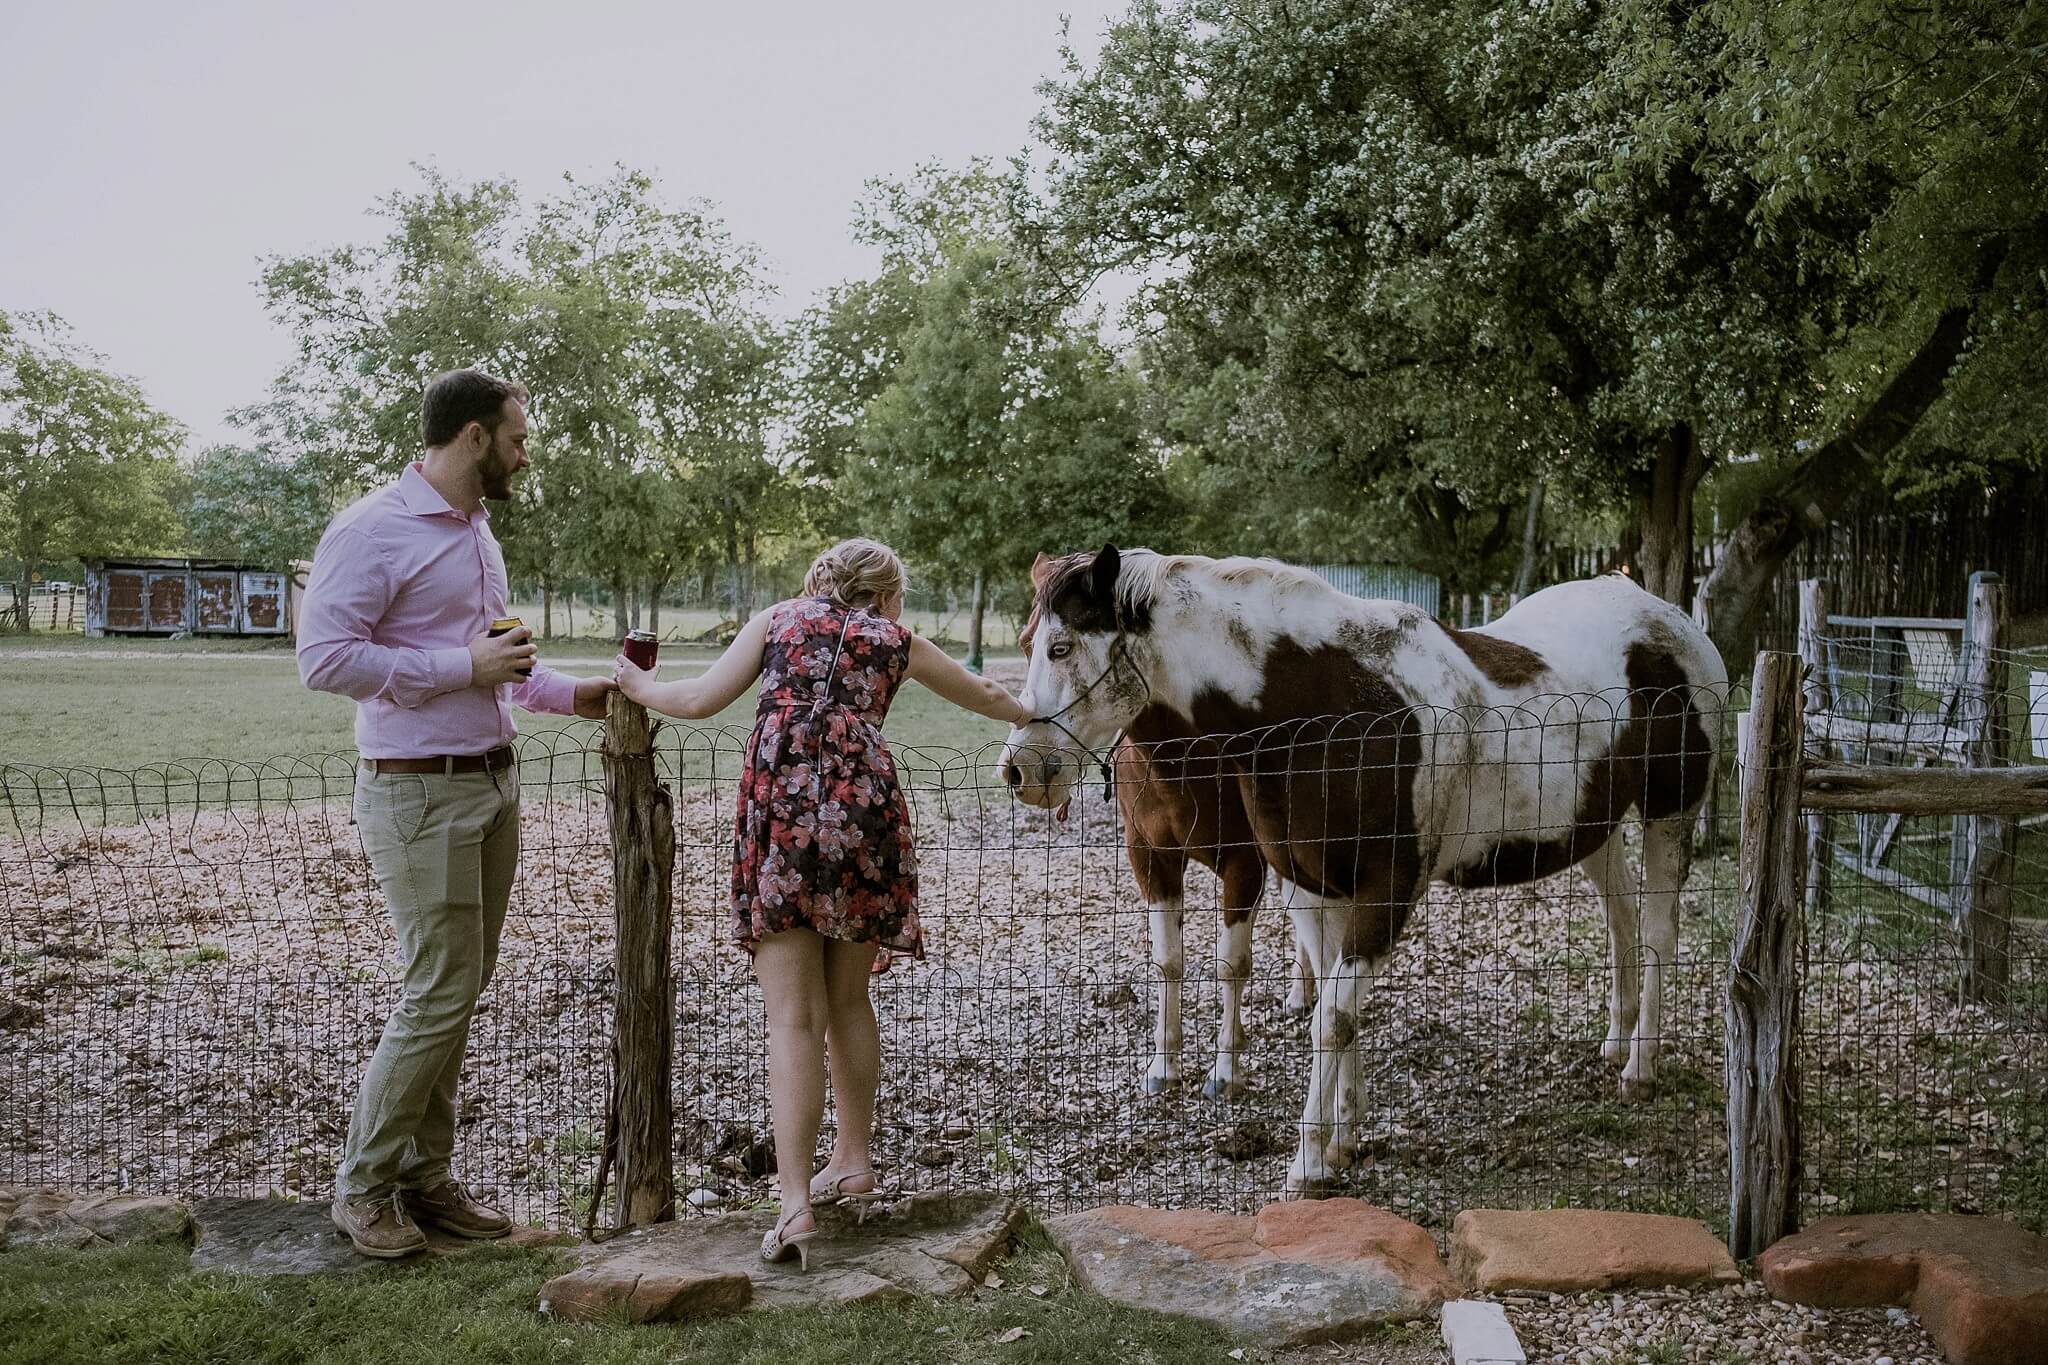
(1059, 651)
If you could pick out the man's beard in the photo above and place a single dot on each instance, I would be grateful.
(496, 472)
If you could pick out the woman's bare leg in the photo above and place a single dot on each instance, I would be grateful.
(855, 1045)
(791, 969)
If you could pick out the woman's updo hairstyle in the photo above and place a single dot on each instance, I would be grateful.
(855, 573)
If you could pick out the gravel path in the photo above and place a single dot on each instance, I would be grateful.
(1739, 1323)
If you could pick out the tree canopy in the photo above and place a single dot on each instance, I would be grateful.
(1433, 253)
(87, 464)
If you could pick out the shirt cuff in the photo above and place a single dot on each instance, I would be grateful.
(452, 668)
(547, 692)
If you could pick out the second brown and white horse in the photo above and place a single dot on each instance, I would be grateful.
(1374, 750)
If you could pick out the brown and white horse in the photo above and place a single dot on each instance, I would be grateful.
(1179, 804)
(1374, 749)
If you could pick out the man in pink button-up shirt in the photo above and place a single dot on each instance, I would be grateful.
(403, 591)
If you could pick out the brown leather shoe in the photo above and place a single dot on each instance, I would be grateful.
(377, 1226)
(448, 1207)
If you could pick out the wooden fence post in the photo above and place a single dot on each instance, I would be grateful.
(1764, 965)
(1984, 900)
(639, 1135)
(1813, 653)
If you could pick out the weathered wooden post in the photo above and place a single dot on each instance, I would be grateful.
(639, 1138)
(1983, 902)
(1765, 962)
(1813, 653)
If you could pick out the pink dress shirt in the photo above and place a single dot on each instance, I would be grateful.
(401, 583)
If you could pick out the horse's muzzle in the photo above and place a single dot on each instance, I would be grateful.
(1034, 774)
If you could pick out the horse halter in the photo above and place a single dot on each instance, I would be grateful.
(1119, 648)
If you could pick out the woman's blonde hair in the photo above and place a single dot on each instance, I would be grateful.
(855, 573)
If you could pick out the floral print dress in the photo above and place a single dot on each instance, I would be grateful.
(824, 837)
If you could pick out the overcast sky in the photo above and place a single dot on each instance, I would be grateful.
(152, 153)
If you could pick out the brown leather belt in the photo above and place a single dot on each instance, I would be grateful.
(500, 757)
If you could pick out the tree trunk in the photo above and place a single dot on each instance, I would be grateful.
(547, 610)
(655, 587)
(1532, 525)
(1663, 506)
(747, 579)
(1819, 486)
(732, 567)
(619, 607)
(974, 661)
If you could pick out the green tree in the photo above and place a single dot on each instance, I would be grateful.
(86, 464)
(618, 312)
(1444, 252)
(1922, 133)
(1005, 430)
(253, 505)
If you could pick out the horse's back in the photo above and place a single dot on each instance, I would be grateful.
(1611, 704)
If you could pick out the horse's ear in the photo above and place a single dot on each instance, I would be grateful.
(1041, 569)
(1102, 578)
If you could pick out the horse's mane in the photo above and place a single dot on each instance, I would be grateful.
(1143, 574)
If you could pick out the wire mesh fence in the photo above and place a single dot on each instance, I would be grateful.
(1920, 1094)
(195, 964)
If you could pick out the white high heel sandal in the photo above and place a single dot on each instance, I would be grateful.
(832, 1191)
(777, 1244)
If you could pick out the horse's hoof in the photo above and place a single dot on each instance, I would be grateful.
(1340, 1156)
(1637, 1092)
(1305, 1187)
(1614, 1051)
(1217, 1088)
(1156, 1084)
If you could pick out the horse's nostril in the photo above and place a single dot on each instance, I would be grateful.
(1054, 766)
(1013, 774)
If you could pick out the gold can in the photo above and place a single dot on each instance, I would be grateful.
(503, 624)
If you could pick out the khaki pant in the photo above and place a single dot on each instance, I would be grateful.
(444, 849)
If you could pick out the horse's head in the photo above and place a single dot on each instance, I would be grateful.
(1082, 683)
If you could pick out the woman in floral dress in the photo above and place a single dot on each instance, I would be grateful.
(824, 872)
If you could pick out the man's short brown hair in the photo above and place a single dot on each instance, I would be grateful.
(459, 397)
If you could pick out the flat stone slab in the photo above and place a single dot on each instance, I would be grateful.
(1478, 1333)
(76, 1222)
(1566, 1251)
(1307, 1270)
(283, 1237)
(1980, 1285)
(928, 1246)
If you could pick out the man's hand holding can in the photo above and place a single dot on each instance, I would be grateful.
(503, 654)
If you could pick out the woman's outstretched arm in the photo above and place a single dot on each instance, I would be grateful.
(711, 691)
(939, 671)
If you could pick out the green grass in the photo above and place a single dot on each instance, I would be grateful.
(57, 1308)
(127, 713)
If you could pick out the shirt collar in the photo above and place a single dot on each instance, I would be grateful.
(422, 500)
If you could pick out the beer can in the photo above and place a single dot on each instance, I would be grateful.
(641, 647)
(503, 624)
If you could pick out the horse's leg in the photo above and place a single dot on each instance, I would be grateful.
(1301, 988)
(1170, 961)
(1244, 877)
(1666, 860)
(1607, 869)
(1312, 931)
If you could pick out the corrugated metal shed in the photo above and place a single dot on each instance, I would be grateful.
(184, 596)
(1382, 581)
